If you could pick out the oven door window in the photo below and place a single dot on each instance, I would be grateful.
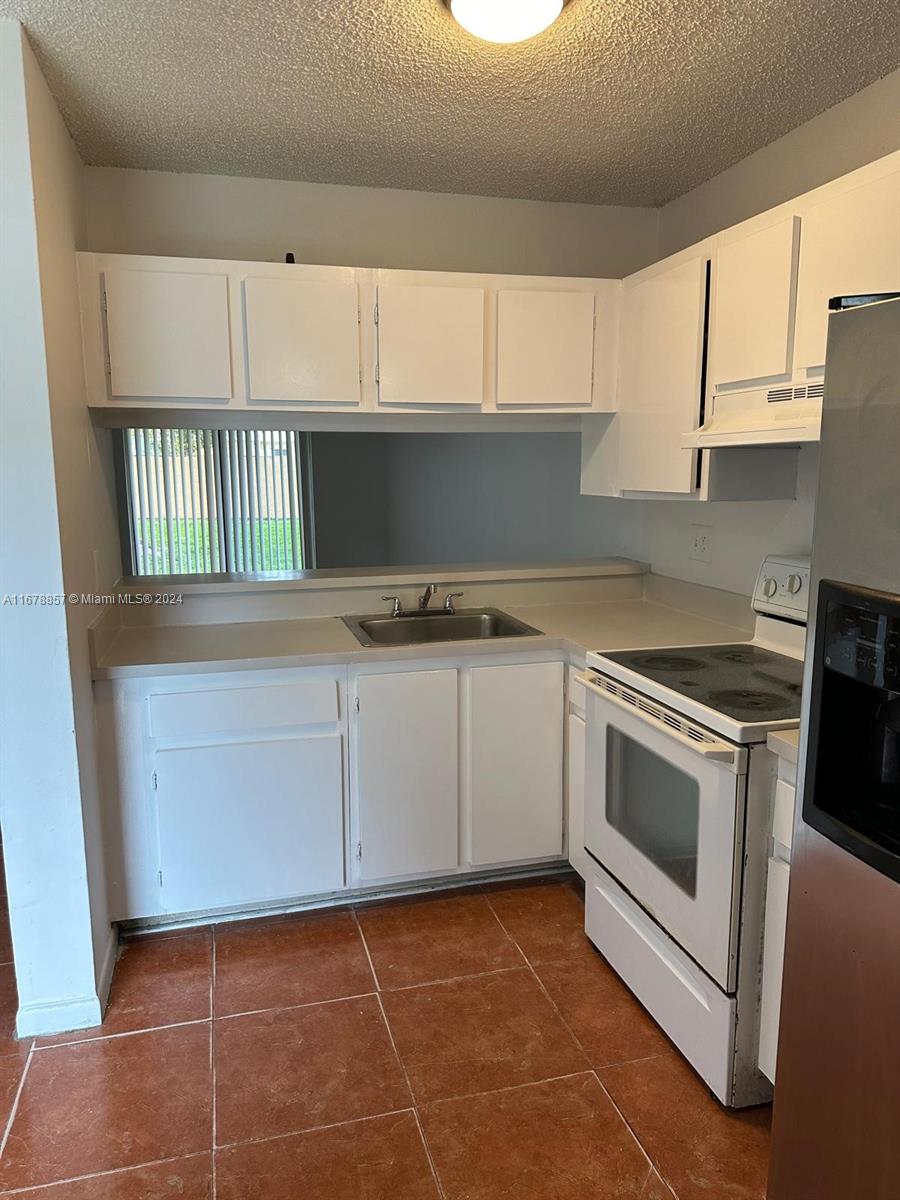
(654, 806)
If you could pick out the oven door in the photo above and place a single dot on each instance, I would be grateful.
(664, 814)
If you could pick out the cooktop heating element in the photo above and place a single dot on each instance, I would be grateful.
(744, 681)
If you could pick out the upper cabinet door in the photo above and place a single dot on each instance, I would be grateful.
(850, 246)
(755, 290)
(661, 376)
(168, 334)
(430, 345)
(545, 349)
(303, 339)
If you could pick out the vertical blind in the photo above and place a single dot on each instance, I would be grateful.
(202, 500)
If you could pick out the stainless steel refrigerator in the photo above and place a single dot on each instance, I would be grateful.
(836, 1126)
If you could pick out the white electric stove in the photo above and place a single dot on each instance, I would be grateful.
(678, 790)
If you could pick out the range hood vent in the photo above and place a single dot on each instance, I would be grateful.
(778, 416)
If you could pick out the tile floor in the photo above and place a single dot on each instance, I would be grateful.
(470, 1046)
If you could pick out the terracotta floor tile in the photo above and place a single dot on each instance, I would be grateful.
(291, 960)
(546, 921)
(108, 1104)
(700, 1148)
(479, 1034)
(602, 1013)
(182, 1179)
(420, 942)
(293, 1069)
(377, 1159)
(559, 1140)
(156, 982)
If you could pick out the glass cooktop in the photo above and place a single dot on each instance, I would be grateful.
(743, 681)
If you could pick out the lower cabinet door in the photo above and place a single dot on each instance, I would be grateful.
(773, 964)
(249, 822)
(406, 775)
(516, 762)
(578, 856)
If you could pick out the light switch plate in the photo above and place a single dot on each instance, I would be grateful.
(701, 543)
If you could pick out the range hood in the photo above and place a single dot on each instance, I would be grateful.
(786, 415)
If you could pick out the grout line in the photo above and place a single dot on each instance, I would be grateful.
(15, 1105)
(409, 1088)
(106, 1037)
(255, 1012)
(509, 936)
(434, 1171)
(212, 1062)
(155, 1162)
(411, 987)
(280, 1137)
(510, 1087)
(366, 948)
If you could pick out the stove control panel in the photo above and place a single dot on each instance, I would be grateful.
(782, 588)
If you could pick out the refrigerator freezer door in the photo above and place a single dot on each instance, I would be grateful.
(837, 1101)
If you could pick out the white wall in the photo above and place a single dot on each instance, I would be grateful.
(849, 135)
(57, 510)
(216, 216)
(487, 497)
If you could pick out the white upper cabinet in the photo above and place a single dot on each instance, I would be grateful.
(661, 374)
(303, 338)
(168, 334)
(755, 292)
(850, 246)
(545, 348)
(430, 345)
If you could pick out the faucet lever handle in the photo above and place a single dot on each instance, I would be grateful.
(449, 606)
(395, 605)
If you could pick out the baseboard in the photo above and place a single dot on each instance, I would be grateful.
(415, 887)
(107, 966)
(59, 1016)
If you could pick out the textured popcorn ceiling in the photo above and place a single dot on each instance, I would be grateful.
(621, 102)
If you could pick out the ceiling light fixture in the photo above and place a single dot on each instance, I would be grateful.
(505, 21)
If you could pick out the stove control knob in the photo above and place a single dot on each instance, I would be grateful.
(794, 584)
(770, 586)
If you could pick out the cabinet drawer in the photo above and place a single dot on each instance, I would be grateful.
(783, 816)
(183, 714)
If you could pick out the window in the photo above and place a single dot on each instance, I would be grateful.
(202, 500)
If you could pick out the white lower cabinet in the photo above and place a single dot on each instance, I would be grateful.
(227, 791)
(249, 822)
(515, 724)
(406, 775)
(456, 769)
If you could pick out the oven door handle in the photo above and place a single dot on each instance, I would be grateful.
(721, 752)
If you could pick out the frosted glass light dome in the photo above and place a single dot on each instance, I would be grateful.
(505, 21)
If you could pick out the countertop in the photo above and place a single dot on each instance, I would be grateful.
(785, 743)
(572, 629)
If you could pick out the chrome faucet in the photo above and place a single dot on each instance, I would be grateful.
(396, 608)
(449, 605)
(424, 599)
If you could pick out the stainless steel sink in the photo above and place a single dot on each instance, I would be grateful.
(415, 628)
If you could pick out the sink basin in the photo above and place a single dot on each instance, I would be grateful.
(416, 628)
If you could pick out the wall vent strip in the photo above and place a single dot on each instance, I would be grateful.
(695, 732)
(812, 391)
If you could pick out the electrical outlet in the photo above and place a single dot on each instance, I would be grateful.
(701, 543)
